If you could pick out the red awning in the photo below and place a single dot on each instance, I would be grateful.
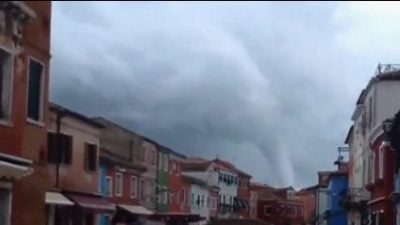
(91, 202)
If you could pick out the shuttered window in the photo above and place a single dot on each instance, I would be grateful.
(64, 151)
(35, 90)
(90, 157)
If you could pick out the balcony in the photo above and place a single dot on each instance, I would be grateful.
(355, 199)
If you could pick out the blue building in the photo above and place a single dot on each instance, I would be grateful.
(337, 189)
(104, 219)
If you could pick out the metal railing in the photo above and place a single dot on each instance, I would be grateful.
(386, 68)
(357, 194)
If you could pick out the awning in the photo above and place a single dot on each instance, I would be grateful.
(55, 198)
(91, 202)
(136, 209)
(177, 216)
(12, 171)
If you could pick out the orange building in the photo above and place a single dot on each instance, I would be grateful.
(307, 197)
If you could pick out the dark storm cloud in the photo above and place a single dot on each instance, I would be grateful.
(265, 85)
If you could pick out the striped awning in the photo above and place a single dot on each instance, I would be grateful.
(14, 168)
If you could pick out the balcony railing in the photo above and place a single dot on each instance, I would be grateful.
(386, 68)
(358, 194)
(355, 199)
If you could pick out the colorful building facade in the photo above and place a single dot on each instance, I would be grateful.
(120, 172)
(73, 159)
(162, 189)
(337, 189)
(24, 81)
(180, 191)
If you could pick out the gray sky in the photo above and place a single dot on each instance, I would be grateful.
(268, 86)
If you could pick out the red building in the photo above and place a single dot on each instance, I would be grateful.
(179, 197)
(307, 197)
(25, 57)
(243, 195)
(279, 206)
(381, 179)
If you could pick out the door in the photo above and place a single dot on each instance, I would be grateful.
(5, 205)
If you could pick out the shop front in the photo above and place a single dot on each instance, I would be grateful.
(12, 169)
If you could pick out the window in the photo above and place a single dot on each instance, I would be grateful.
(165, 194)
(118, 184)
(381, 160)
(109, 186)
(143, 154)
(208, 202)
(35, 90)
(143, 189)
(5, 84)
(160, 163)
(192, 199)
(107, 220)
(65, 152)
(373, 168)
(198, 201)
(90, 157)
(230, 200)
(5, 197)
(268, 210)
(301, 212)
(153, 158)
(133, 186)
(202, 201)
(182, 196)
(165, 163)
(223, 199)
(370, 113)
(173, 168)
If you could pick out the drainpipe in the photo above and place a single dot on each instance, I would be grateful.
(60, 113)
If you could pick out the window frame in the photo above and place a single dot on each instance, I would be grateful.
(142, 190)
(373, 166)
(182, 196)
(160, 161)
(165, 163)
(7, 121)
(86, 162)
(109, 182)
(62, 160)
(154, 158)
(40, 121)
(381, 159)
(134, 186)
(118, 192)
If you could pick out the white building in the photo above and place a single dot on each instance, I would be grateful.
(199, 199)
(218, 174)
(228, 190)
(379, 101)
